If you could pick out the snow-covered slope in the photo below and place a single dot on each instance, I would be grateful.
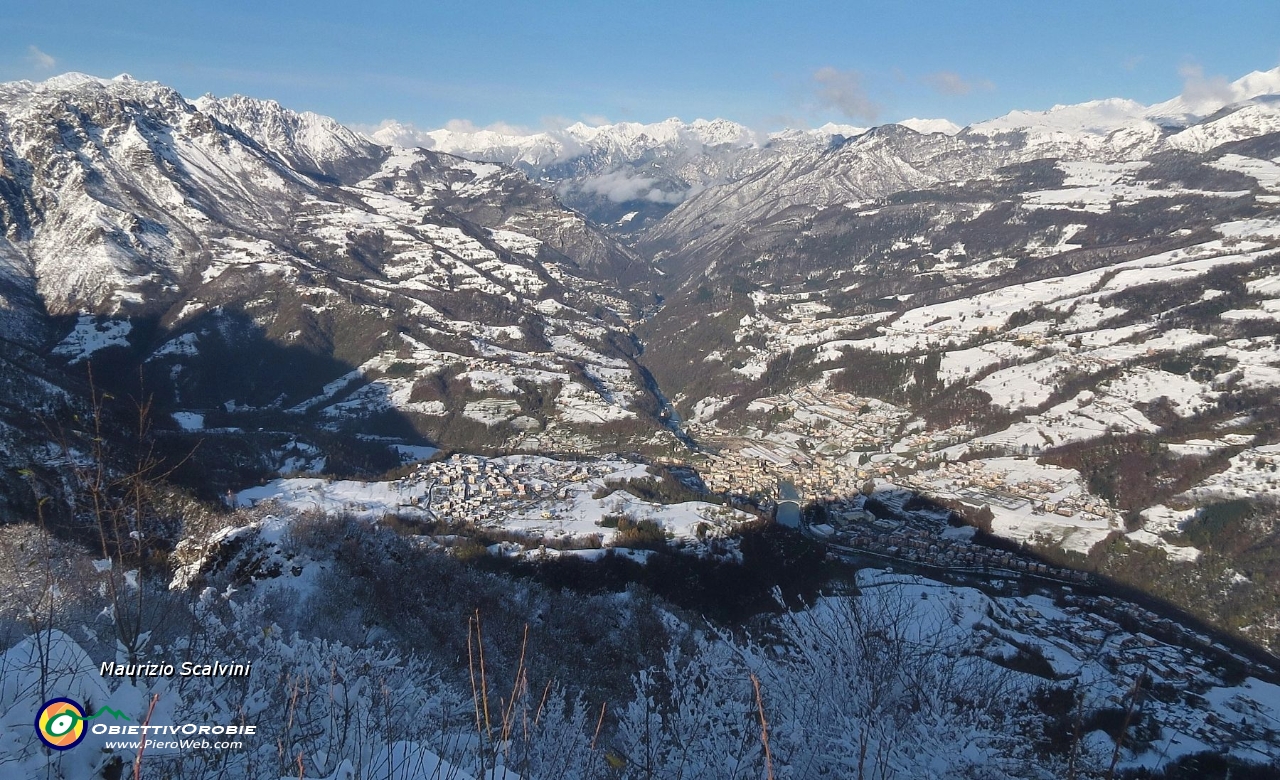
(1103, 117)
(1095, 116)
(305, 141)
(887, 159)
(1205, 97)
(926, 126)
(1253, 118)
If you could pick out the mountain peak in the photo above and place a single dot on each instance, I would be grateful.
(1092, 117)
(1205, 96)
(305, 140)
(73, 79)
(927, 126)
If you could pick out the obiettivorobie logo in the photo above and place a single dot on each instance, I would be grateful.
(60, 722)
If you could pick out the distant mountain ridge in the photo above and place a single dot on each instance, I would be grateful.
(625, 175)
(629, 175)
(892, 158)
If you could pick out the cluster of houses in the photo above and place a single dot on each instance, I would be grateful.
(820, 414)
(925, 445)
(829, 443)
(473, 488)
(755, 471)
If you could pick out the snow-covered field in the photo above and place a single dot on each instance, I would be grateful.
(1097, 187)
(1254, 472)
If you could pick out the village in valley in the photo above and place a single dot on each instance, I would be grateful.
(838, 450)
(889, 487)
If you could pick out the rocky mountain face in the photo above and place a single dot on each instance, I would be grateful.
(255, 264)
(308, 143)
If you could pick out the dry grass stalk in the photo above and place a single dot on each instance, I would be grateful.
(599, 723)
(764, 728)
(137, 761)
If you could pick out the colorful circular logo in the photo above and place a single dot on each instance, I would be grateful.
(60, 724)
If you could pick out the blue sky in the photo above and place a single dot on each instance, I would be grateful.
(539, 63)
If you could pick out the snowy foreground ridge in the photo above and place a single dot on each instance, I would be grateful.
(901, 681)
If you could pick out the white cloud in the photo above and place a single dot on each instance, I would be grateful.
(618, 187)
(391, 132)
(946, 82)
(461, 126)
(39, 59)
(843, 91)
(501, 128)
(1198, 88)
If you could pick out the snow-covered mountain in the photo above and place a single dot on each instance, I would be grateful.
(1082, 299)
(629, 175)
(926, 126)
(305, 141)
(1204, 97)
(623, 140)
(254, 260)
(887, 160)
(1102, 117)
